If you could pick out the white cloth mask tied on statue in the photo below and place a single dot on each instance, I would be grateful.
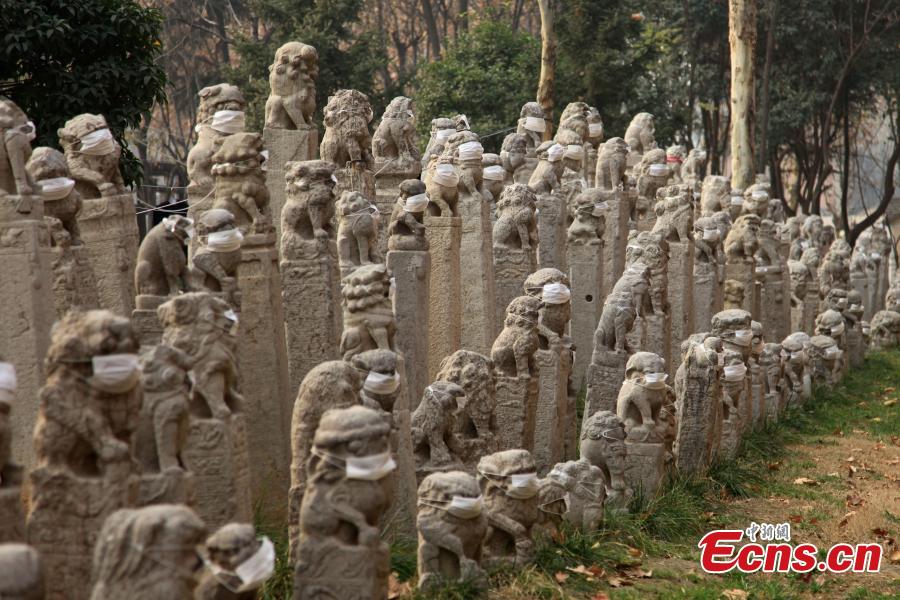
(711, 235)
(599, 209)
(575, 151)
(735, 372)
(555, 293)
(465, 507)
(759, 195)
(56, 188)
(98, 142)
(445, 174)
(522, 486)
(370, 468)
(228, 121)
(737, 200)
(536, 124)
(494, 173)
(798, 355)
(833, 352)
(442, 135)
(837, 329)
(875, 255)
(595, 129)
(8, 382)
(856, 307)
(555, 152)
(228, 240)
(416, 204)
(470, 151)
(380, 383)
(743, 337)
(655, 381)
(115, 373)
(658, 170)
(251, 573)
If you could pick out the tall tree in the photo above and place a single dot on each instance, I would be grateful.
(742, 40)
(548, 65)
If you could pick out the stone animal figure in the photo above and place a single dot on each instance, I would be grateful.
(474, 373)
(714, 195)
(707, 240)
(368, 313)
(148, 553)
(10, 473)
(332, 384)
(771, 363)
(406, 230)
(442, 187)
(15, 151)
(892, 298)
(767, 253)
(241, 183)
(589, 222)
(434, 432)
(163, 427)
(530, 129)
(347, 139)
(629, 299)
(226, 550)
(651, 174)
(515, 160)
(49, 163)
(639, 135)
(548, 173)
(381, 362)
(743, 239)
(511, 508)
(516, 225)
(340, 515)
(640, 400)
(603, 445)
(450, 531)
(161, 268)
(309, 209)
(395, 137)
(693, 168)
(675, 213)
(84, 425)
(885, 330)
(95, 175)
(513, 350)
(357, 236)
(611, 164)
(733, 291)
(585, 487)
(215, 269)
(441, 129)
(292, 83)
(200, 325)
(213, 99)
(554, 317)
(21, 573)
(575, 118)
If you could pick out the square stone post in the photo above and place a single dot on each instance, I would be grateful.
(553, 420)
(707, 291)
(110, 234)
(74, 283)
(810, 307)
(12, 522)
(743, 273)
(586, 266)
(512, 266)
(285, 145)
(757, 396)
(605, 377)
(444, 325)
(411, 270)
(645, 465)
(681, 299)
(263, 365)
(145, 321)
(514, 412)
(615, 237)
(775, 309)
(389, 174)
(477, 294)
(551, 222)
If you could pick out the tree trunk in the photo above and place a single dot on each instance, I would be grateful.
(548, 65)
(742, 40)
(764, 101)
(463, 15)
(434, 40)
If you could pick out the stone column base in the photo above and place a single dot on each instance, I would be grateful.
(645, 466)
(329, 569)
(605, 377)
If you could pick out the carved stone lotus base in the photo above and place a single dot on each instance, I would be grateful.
(554, 421)
(329, 569)
(216, 454)
(12, 522)
(515, 412)
(645, 467)
(444, 310)
(110, 234)
(604, 380)
(586, 275)
(411, 271)
(512, 266)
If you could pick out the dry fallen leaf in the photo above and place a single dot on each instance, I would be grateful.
(878, 446)
(843, 522)
(893, 461)
(396, 589)
(888, 390)
(795, 518)
(634, 552)
(774, 466)
(890, 402)
(600, 596)
(895, 556)
(854, 500)
(838, 432)
(876, 419)
(835, 474)
(735, 594)
(561, 577)
(805, 481)
(880, 532)
(616, 582)
(850, 459)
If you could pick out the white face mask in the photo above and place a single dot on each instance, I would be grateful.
(536, 124)
(32, 131)
(494, 173)
(720, 359)
(866, 329)
(658, 170)
(445, 175)
(555, 293)
(737, 200)
(56, 188)
(595, 129)
(230, 315)
(522, 486)
(711, 235)
(443, 135)
(370, 468)
(465, 507)
(555, 152)
(797, 356)
(228, 240)
(655, 381)
(574, 152)
(115, 373)
(379, 383)
(228, 121)
(8, 382)
(98, 142)
(416, 204)
(759, 195)
(875, 255)
(735, 372)
(833, 352)
(599, 209)
(470, 151)
(855, 307)
(743, 337)
(264, 165)
(837, 330)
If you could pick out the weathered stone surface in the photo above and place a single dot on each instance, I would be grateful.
(292, 87)
(219, 114)
(478, 295)
(644, 467)
(516, 404)
(444, 310)
(476, 419)
(586, 263)
(509, 486)
(697, 405)
(12, 523)
(342, 494)
(603, 445)
(411, 271)
(284, 146)
(435, 434)
(237, 564)
(21, 572)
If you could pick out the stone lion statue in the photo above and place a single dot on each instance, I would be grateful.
(15, 150)
(885, 330)
(228, 548)
(50, 164)
(575, 118)
(451, 527)
(292, 80)
(434, 430)
(306, 217)
(357, 236)
(213, 99)
(585, 490)
(516, 224)
(474, 373)
(611, 163)
(531, 125)
(515, 160)
(642, 396)
(639, 135)
(652, 173)
(395, 137)
(347, 139)
(603, 446)
(630, 298)
(513, 350)
(214, 268)
(589, 216)
(675, 213)
(241, 183)
(743, 239)
(733, 291)
(368, 313)
(92, 154)
(694, 167)
(163, 428)
(441, 129)
(161, 268)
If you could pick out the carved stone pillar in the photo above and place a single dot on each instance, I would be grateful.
(645, 465)
(411, 270)
(604, 379)
(285, 145)
(551, 224)
(511, 267)
(553, 422)
(681, 298)
(616, 235)
(444, 322)
(478, 294)
(707, 294)
(586, 272)
(515, 411)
